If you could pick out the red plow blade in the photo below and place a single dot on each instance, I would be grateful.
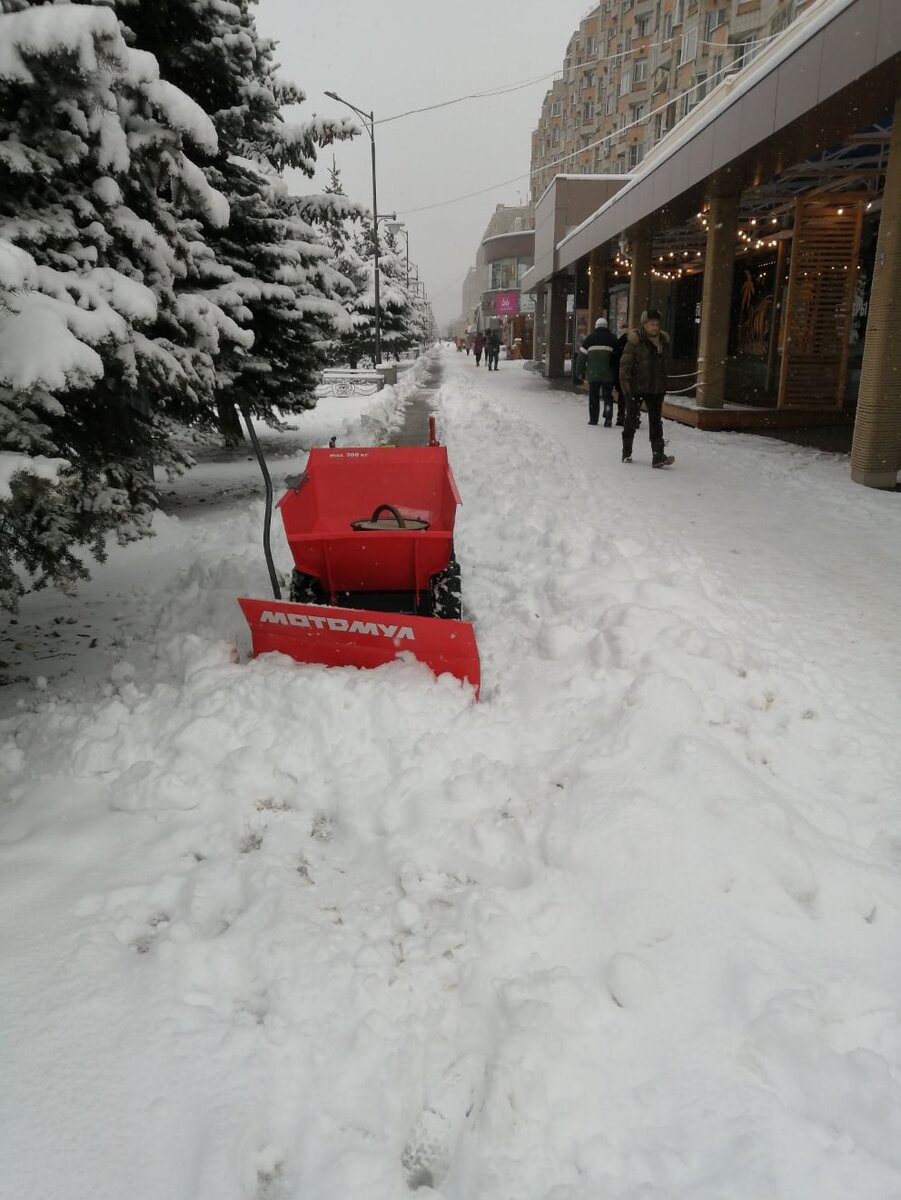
(355, 637)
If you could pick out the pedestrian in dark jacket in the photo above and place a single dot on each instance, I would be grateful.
(492, 348)
(597, 363)
(642, 373)
(620, 401)
(478, 345)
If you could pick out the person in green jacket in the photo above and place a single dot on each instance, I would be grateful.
(597, 363)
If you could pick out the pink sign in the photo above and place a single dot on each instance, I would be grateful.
(506, 304)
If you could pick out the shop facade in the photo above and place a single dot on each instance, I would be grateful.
(767, 233)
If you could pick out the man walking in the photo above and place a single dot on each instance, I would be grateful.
(492, 348)
(597, 364)
(642, 374)
(617, 385)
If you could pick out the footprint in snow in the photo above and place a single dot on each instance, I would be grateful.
(429, 1150)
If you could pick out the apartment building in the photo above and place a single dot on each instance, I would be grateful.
(634, 68)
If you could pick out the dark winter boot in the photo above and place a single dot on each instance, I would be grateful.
(662, 460)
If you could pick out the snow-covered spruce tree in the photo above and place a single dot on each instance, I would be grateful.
(421, 320)
(277, 272)
(398, 334)
(339, 220)
(94, 188)
(359, 344)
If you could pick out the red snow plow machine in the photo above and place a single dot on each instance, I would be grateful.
(371, 531)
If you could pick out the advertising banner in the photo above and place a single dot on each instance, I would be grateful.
(506, 304)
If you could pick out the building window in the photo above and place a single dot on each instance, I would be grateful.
(588, 79)
(611, 103)
(641, 70)
(642, 26)
(667, 26)
(636, 112)
(555, 137)
(743, 48)
(636, 153)
(679, 12)
(689, 48)
(504, 274)
(658, 126)
(700, 88)
(587, 111)
(555, 109)
(625, 83)
(715, 18)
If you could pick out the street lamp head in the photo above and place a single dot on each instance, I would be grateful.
(367, 118)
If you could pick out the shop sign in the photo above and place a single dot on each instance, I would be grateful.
(506, 304)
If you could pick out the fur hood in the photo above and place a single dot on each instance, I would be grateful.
(636, 334)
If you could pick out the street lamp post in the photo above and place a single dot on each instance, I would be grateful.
(368, 120)
(399, 227)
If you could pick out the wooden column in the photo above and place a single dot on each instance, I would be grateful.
(876, 449)
(775, 318)
(556, 328)
(821, 286)
(640, 245)
(716, 301)
(597, 286)
(539, 331)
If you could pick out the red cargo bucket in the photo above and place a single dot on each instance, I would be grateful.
(341, 487)
(347, 637)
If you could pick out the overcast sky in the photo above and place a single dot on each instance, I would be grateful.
(405, 54)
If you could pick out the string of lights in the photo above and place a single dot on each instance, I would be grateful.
(503, 90)
(643, 120)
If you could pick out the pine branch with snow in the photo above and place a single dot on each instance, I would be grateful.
(98, 209)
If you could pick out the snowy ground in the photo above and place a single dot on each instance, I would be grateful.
(626, 929)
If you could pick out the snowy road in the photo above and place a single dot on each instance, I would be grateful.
(628, 928)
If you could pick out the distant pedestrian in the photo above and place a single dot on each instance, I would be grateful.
(642, 373)
(478, 345)
(492, 348)
(597, 363)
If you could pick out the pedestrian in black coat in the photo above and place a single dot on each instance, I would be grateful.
(643, 375)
